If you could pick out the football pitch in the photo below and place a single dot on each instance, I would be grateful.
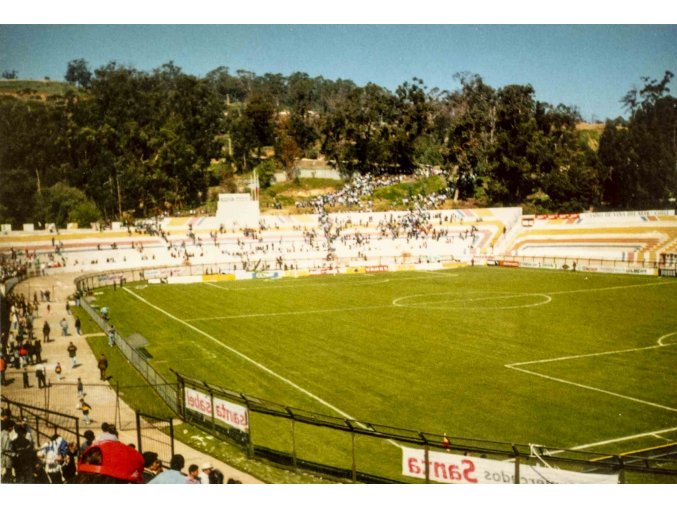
(561, 359)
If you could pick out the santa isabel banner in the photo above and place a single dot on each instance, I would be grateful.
(224, 411)
(455, 469)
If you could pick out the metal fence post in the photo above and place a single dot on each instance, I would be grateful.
(426, 450)
(293, 443)
(211, 402)
(250, 442)
(117, 405)
(354, 458)
(621, 474)
(517, 464)
(37, 432)
(171, 434)
(77, 432)
(138, 431)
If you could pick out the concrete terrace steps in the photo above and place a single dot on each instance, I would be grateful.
(642, 237)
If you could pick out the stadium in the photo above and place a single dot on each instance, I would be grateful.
(494, 346)
(393, 271)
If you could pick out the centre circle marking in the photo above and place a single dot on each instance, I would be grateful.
(473, 300)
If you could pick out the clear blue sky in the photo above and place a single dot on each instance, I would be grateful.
(587, 66)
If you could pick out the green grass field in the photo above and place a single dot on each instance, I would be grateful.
(560, 359)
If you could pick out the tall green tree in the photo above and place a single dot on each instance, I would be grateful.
(78, 73)
(640, 155)
(471, 134)
(514, 174)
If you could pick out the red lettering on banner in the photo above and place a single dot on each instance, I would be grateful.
(454, 474)
(468, 468)
(199, 404)
(441, 466)
(376, 269)
(413, 466)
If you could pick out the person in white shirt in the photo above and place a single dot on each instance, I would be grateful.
(204, 473)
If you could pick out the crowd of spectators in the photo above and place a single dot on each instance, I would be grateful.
(21, 345)
(352, 194)
(14, 265)
(100, 459)
(315, 245)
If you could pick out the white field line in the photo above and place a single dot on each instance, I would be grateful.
(603, 391)
(623, 439)
(294, 286)
(250, 360)
(281, 314)
(396, 302)
(594, 354)
(516, 366)
(431, 305)
(617, 287)
(655, 434)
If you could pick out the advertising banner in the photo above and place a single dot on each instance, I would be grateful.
(509, 264)
(110, 277)
(540, 265)
(165, 272)
(264, 275)
(456, 469)
(376, 269)
(618, 270)
(222, 277)
(323, 271)
(428, 266)
(226, 412)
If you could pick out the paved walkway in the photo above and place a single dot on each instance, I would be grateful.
(61, 287)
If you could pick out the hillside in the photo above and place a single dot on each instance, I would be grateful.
(590, 134)
(33, 88)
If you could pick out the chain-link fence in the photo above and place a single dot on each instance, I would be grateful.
(106, 400)
(43, 423)
(368, 452)
(156, 435)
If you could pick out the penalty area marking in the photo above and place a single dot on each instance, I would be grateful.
(249, 360)
(660, 341)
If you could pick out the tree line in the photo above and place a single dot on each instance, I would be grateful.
(124, 143)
